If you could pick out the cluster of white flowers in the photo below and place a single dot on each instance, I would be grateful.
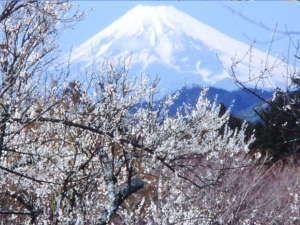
(78, 160)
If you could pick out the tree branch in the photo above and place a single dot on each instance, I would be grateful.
(124, 192)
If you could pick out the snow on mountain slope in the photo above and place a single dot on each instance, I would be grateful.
(165, 41)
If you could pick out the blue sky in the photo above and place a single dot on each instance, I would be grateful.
(285, 14)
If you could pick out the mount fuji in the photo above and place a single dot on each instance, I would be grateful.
(182, 51)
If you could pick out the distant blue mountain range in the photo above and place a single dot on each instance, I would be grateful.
(241, 102)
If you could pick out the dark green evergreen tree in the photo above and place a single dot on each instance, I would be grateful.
(278, 136)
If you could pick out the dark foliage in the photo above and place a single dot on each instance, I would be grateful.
(278, 137)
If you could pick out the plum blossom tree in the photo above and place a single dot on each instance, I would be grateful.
(80, 160)
(27, 44)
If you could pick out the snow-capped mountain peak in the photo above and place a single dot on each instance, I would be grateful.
(168, 42)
